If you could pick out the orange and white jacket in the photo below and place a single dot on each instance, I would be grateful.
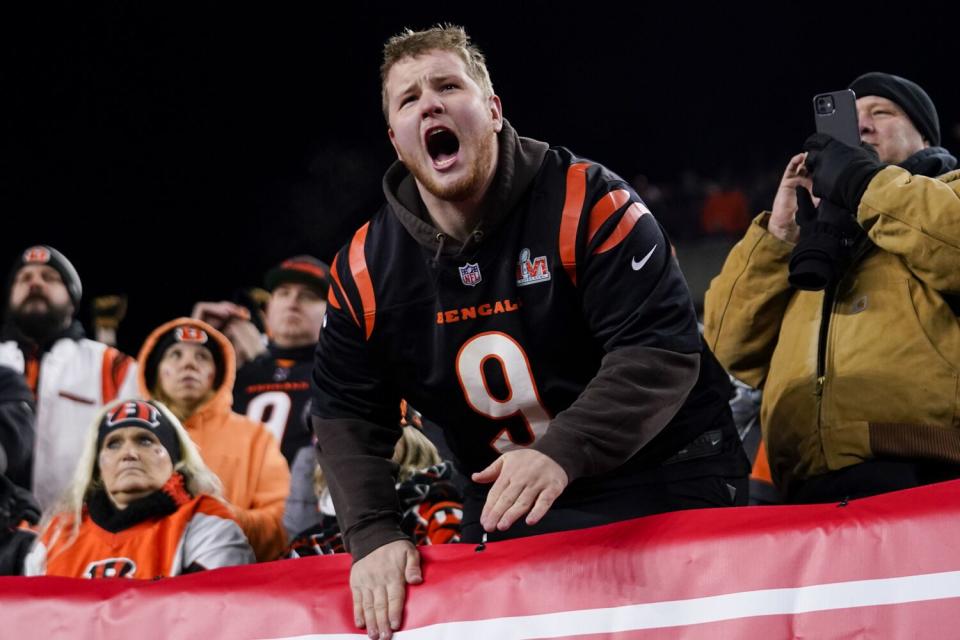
(200, 534)
(75, 379)
(243, 453)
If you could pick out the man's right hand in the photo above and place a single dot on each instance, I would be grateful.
(246, 340)
(219, 314)
(379, 584)
(782, 222)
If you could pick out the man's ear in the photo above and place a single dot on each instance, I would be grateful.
(496, 112)
(393, 141)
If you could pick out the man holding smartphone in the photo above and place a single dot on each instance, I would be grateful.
(860, 380)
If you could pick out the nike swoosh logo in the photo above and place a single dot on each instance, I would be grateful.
(639, 265)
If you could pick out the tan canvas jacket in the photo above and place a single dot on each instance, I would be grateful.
(888, 384)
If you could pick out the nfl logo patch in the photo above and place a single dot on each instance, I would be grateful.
(470, 274)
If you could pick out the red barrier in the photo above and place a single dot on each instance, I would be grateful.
(884, 567)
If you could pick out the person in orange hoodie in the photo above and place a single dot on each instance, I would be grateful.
(189, 366)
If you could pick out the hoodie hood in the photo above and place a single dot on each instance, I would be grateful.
(518, 162)
(222, 398)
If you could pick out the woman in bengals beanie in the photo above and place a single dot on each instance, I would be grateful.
(142, 505)
(189, 366)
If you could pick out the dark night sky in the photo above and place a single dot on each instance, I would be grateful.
(176, 153)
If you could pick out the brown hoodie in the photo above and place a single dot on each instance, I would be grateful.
(243, 453)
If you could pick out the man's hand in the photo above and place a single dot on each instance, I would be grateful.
(246, 340)
(782, 222)
(840, 172)
(219, 314)
(379, 584)
(524, 480)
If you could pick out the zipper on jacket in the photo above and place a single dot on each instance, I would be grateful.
(858, 248)
(829, 295)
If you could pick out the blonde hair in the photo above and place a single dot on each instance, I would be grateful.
(68, 511)
(413, 452)
(442, 37)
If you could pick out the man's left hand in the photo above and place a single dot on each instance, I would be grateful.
(524, 481)
(840, 172)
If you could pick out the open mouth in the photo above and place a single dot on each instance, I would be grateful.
(442, 145)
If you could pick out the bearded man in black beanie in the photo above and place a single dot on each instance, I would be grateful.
(70, 376)
(859, 378)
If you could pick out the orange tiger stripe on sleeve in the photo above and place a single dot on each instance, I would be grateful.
(629, 219)
(361, 277)
(570, 219)
(603, 209)
(112, 372)
(341, 293)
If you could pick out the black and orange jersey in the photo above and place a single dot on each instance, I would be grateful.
(497, 343)
(275, 389)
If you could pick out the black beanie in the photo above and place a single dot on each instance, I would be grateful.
(908, 95)
(143, 414)
(187, 333)
(43, 254)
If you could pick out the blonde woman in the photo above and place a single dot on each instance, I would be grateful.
(431, 504)
(142, 505)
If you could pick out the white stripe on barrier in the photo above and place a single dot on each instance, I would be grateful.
(674, 613)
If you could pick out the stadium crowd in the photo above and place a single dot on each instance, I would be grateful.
(538, 366)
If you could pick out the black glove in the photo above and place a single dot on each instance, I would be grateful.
(840, 172)
(806, 211)
(822, 253)
(16, 504)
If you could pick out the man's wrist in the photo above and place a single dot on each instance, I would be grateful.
(373, 535)
(780, 232)
(783, 233)
(570, 455)
(857, 183)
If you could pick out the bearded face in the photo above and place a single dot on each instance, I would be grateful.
(42, 324)
(40, 305)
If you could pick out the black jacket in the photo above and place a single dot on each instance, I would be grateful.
(562, 323)
(17, 413)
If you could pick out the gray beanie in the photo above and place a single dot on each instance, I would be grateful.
(43, 254)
